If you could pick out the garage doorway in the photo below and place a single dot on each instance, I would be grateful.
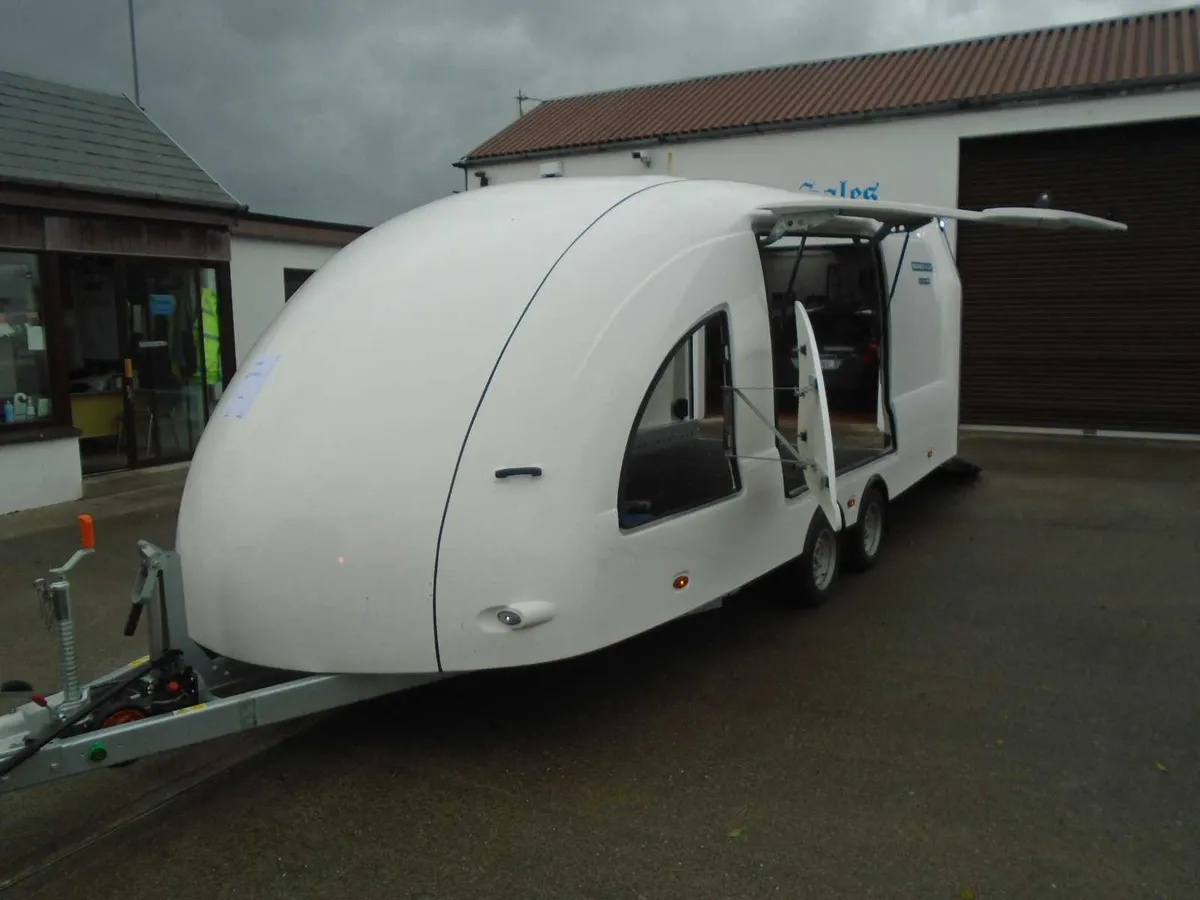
(1079, 331)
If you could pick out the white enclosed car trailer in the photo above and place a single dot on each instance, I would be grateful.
(521, 424)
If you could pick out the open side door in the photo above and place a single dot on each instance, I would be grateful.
(814, 437)
(804, 214)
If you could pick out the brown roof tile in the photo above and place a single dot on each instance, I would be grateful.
(1114, 54)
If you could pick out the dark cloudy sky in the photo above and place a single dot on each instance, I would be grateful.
(354, 110)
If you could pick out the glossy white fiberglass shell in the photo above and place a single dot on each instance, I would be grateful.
(351, 521)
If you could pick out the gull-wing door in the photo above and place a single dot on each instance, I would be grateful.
(1049, 219)
(817, 213)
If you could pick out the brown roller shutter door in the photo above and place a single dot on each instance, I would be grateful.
(1078, 331)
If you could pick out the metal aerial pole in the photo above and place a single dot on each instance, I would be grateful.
(137, 92)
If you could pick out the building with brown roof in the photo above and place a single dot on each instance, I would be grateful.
(1060, 333)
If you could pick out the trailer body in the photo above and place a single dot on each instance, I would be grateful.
(518, 329)
(524, 423)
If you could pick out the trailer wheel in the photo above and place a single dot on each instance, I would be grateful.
(865, 540)
(817, 567)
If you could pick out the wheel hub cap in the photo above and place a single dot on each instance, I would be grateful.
(872, 529)
(824, 559)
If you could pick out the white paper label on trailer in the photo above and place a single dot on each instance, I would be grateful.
(248, 387)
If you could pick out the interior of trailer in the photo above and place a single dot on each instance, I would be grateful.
(681, 454)
(840, 283)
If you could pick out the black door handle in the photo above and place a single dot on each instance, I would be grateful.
(531, 471)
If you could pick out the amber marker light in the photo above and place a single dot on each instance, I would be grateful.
(681, 581)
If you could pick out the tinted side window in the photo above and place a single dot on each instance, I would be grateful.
(675, 462)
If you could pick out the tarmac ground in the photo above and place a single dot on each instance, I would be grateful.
(1007, 706)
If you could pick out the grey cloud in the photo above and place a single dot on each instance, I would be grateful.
(355, 109)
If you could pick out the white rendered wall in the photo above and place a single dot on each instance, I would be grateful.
(39, 474)
(256, 275)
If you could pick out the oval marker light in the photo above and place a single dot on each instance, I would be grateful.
(681, 581)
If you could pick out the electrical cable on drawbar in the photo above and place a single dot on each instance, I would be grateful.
(31, 749)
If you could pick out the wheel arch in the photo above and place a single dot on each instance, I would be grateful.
(877, 480)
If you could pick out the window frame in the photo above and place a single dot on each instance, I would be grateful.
(721, 317)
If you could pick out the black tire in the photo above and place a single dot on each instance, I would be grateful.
(817, 568)
(864, 542)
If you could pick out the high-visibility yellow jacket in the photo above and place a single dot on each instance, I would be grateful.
(211, 337)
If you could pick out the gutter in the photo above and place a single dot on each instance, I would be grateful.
(1164, 84)
(173, 200)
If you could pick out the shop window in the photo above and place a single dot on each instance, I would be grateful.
(292, 279)
(676, 461)
(163, 321)
(24, 368)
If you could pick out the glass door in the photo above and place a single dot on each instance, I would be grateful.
(167, 399)
(95, 347)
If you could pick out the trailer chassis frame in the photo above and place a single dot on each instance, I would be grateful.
(176, 696)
